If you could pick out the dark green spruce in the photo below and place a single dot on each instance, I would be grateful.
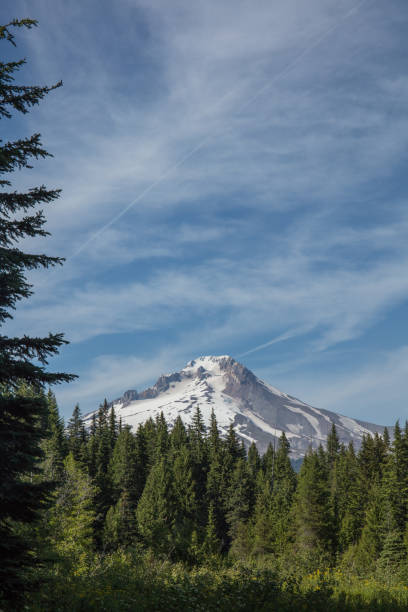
(23, 359)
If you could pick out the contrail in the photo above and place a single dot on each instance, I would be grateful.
(199, 146)
(285, 336)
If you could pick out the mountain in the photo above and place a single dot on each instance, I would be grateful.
(258, 411)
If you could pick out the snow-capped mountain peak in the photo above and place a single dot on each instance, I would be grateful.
(258, 411)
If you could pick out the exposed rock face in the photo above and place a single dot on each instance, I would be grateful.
(258, 411)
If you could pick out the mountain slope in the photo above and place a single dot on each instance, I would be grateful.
(258, 411)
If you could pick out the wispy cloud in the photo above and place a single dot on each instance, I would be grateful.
(378, 380)
(243, 164)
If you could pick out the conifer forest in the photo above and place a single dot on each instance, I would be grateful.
(184, 518)
(106, 518)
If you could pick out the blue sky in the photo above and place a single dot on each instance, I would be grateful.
(234, 182)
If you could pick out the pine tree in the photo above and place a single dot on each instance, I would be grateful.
(126, 470)
(156, 510)
(263, 531)
(178, 436)
(21, 358)
(113, 429)
(392, 556)
(350, 511)
(185, 501)
(211, 545)
(283, 487)
(240, 498)
(162, 437)
(214, 438)
(72, 516)
(103, 499)
(120, 526)
(268, 461)
(312, 510)
(386, 438)
(254, 460)
(216, 496)
(149, 432)
(198, 452)
(92, 447)
(371, 541)
(77, 436)
(196, 437)
(333, 446)
(54, 446)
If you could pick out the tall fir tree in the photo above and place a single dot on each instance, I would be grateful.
(77, 436)
(54, 445)
(156, 509)
(72, 515)
(22, 359)
(346, 489)
(312, 508)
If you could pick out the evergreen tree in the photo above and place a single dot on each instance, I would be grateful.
(123, 468)
(198, 452)
(211, 545)
(92, 448)
(312, 510)
(54, 446)
(232, 447)
(368, 469)
(392, 557)
(103, 499)
(216, 496)
(161, 437)
(178, 436)
(76, 435)
(240, 498)
(263, 532)
(283, 487)
(371, 541)
(120, 524)
(333, 446)
(268, 461)
(113, 429)
(346, 487)
(149, 432)
(254, 460)
(196, 438)
(127, 479)
(72, 515)
(156, 510)
(185, 501)
(21, 358)
(214, 439)
(386, 438)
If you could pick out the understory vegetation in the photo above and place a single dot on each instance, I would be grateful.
(183, 518)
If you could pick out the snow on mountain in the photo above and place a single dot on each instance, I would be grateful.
(258, 411)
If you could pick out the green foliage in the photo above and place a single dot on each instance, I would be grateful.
(77, 435)
(156, 509)
(132, 581)
(312, 507)
(54, 445)
(120, 525)
(72, 515)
